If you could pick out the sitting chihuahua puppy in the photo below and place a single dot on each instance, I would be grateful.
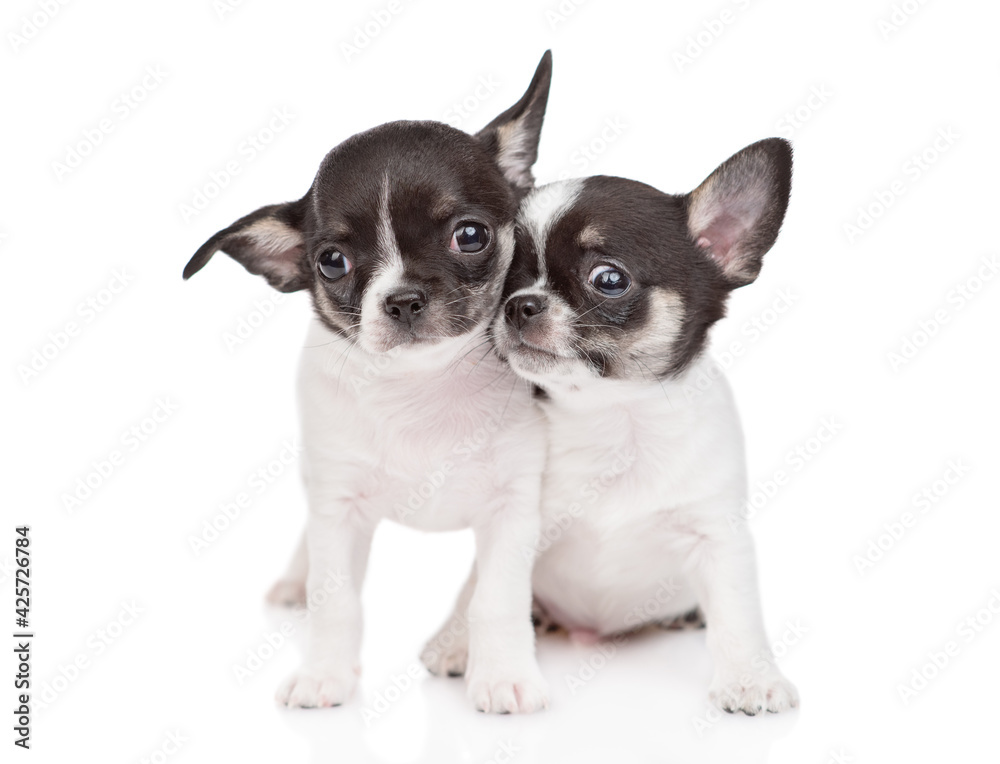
(404, 241)
(614, 288)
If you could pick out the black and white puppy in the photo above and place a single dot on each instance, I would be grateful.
(614, 288)
(404, 242)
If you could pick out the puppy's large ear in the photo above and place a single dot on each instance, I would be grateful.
(513, 136)
(268, 242)
(735, 214)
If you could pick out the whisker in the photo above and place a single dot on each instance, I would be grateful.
(467, 353)
(327, 344)
(499, 377)
(597, 326)
(660, 381)
(511, 394)
(590, 309)
(457, 300)
(343, 365)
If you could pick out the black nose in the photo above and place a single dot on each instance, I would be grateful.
(523, 308)
(405, 305)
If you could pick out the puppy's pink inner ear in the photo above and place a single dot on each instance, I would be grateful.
(270, 248)
(719, 237)
(280, 262)
(278, 243)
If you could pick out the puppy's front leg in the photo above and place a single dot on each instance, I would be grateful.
(502, 674)
(338, 545)
(746, 677)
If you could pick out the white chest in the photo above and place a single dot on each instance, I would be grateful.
(629, 483)
(426, 441)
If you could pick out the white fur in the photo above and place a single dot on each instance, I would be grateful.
(375, 333)
(665, 519)
(541, 209)
(374, 427)
(385, 236)
(641, 483)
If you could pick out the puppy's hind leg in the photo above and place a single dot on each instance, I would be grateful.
(541, 620)
(692, 619)
(447, 652)
(290, 589)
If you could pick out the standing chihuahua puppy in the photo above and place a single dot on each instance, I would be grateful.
(404, 241)
(610, 301)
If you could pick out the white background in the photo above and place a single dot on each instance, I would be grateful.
(853, 301)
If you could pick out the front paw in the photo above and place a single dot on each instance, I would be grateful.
(317, 688)
(752, 691)
(508, 692)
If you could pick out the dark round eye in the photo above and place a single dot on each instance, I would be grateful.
(333, 265)
(609, 281)
(469, 237)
